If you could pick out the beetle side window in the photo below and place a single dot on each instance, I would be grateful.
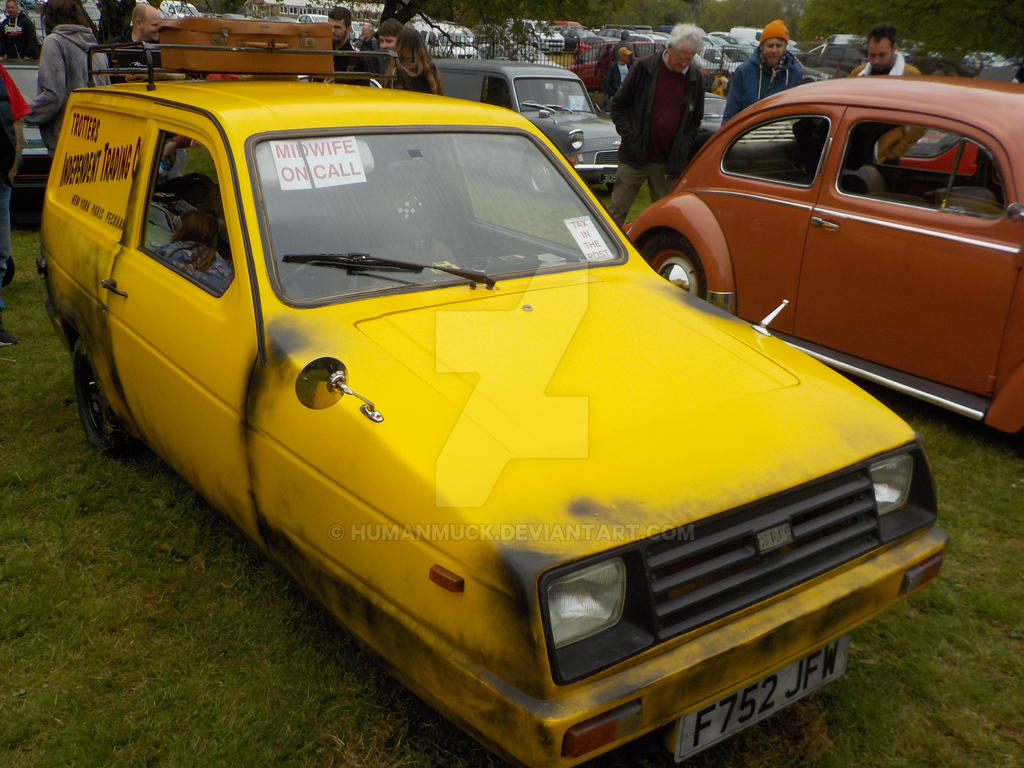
(923, 166)
(787, 150)
(185, 218)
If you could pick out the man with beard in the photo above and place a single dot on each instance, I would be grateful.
(883, 56)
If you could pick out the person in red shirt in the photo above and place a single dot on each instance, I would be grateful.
(12, 140)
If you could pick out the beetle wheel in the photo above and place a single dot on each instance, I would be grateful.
(668, 249)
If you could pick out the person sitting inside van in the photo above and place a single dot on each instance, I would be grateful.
(193, 250)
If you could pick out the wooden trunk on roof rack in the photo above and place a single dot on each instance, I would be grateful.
(250, 46)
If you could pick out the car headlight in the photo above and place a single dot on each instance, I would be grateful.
(576, 139)
(891, 480)
(587, 601)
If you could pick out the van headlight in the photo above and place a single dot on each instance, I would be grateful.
(576, 139)
(891, 480)
(587, 601)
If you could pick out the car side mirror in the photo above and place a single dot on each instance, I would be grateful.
(323, 381)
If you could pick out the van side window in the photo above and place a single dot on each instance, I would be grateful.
(185, 218)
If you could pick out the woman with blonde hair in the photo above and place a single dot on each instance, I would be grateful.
(416, 69)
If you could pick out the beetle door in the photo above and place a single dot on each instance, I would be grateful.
(910, 263)
(765, 190)
(181, 321)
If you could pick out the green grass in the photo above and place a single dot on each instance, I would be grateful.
(138, 627)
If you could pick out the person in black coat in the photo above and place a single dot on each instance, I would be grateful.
(657, 112)
(18, 37)
(616, 73)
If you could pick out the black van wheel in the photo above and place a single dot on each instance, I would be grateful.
(98, 421)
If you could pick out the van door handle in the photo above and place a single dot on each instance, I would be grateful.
(111, 285)
(817, 221)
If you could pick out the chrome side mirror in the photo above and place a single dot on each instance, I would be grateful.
(323, 381)
(1014, 211)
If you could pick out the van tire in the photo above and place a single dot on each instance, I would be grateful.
(98, 421)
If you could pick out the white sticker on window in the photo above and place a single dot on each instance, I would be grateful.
(584, 232)
(577, 102)
(316, 163)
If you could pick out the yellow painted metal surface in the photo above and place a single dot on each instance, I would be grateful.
(548, 420)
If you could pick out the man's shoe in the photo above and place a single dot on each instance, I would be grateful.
(7, 338)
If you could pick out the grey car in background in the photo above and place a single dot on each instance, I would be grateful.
(552, 98)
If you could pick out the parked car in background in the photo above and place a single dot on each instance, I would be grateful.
(517, 40)
(30, 183)
(174, 9)
(751, 35)
(446, 40)
(553, 99)
(545, 36)
(314, 18)
(565, 503)
(834, 59)
(891, 224)
(591, 62)
(572, 32)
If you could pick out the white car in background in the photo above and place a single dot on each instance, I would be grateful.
(545, 36)
(173, 9)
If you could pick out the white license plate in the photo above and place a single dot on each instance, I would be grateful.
(719, 720)
(607, 178)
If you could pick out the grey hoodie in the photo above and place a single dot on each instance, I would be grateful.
(63, 66)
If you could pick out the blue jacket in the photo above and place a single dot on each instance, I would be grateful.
(753, 80)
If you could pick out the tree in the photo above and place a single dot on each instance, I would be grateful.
(115, 18)
(943, 25)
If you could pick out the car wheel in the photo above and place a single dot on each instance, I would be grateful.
(668, 249)
(98, 421)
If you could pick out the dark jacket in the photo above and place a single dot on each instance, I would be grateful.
(19, 38)
(612, 79)
(754, 80)
(631, 112)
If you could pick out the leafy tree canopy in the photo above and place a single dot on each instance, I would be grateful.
(942, 25)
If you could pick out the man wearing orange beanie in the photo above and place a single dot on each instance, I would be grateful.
(770, 69)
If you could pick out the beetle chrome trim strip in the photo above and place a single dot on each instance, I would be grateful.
(747, 195)
(920, 230)
(889, 383)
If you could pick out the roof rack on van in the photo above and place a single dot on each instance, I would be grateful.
(136, 62)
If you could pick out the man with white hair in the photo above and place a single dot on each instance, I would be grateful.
(657, 111)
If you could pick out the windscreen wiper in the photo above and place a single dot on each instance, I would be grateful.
(535, 105)
(355, 261)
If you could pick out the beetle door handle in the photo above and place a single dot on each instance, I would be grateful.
(817, 221)
(111, 285)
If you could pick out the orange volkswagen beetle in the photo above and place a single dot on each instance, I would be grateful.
(888, 213)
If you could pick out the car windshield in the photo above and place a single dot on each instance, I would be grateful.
(353, 212)
(557, 93)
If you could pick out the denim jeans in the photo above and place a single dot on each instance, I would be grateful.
(5, 232)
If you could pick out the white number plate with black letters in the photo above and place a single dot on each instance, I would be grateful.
(720, 719)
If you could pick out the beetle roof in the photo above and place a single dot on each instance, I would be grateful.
(993, 106)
